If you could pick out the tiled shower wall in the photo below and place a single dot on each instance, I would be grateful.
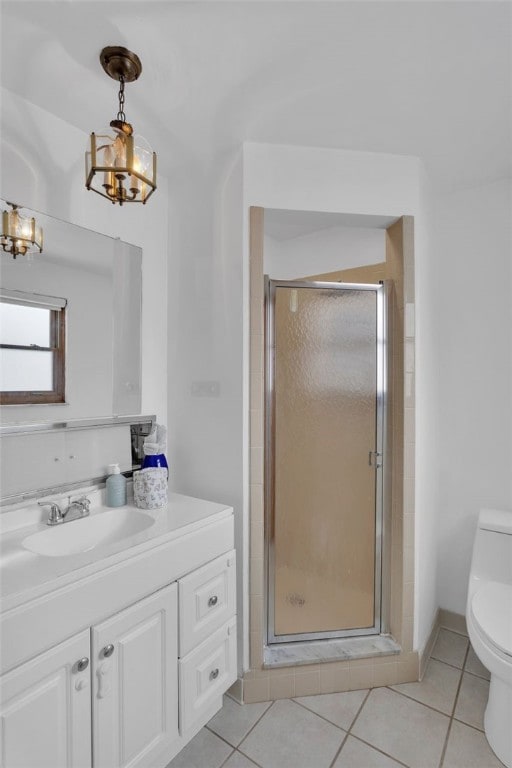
(260, 684)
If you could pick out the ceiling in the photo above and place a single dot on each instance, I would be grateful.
(430, 79)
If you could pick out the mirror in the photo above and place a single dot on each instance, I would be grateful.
(100, 280)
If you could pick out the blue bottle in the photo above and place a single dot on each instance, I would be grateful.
(155, 460)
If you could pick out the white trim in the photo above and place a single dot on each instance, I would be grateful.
(34, 299)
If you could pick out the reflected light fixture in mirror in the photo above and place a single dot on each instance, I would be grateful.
(118, 164)
(20, 235)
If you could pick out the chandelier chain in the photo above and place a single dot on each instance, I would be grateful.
(121, 115)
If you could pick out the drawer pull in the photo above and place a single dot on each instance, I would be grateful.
(82, 664)
(104, 682)
(213, 601)
(214, 674)
(107, 651)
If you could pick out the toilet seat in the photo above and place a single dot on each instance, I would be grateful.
(491, 608)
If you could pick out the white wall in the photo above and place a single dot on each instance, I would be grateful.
(205, 337)
(326, 250)
(43, 168)
(306, 178)
(473, 288)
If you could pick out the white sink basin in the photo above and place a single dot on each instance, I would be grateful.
(88, 532)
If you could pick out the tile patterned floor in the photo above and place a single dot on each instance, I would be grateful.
(437, 723)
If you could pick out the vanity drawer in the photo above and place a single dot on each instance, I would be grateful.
(207, 599)
(205, 673)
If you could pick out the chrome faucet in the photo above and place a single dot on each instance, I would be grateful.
(76, 509)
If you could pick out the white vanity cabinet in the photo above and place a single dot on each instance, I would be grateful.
(135, 682)
(151, 650)
(46, 709)
(207, 624)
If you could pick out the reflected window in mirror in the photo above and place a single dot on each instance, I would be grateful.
(32, 348)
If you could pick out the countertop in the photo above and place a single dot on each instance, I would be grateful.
(25, 575)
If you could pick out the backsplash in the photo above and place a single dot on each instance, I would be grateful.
(62, 457)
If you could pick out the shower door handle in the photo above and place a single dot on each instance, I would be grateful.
(375, 459)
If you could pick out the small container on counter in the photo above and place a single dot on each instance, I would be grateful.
(115, 487)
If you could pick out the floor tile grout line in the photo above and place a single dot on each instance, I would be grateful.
(219, 736)
(456, 699)
(469, 725)
(474, 674)
(445, 745)
(258, 765)
(249, 758)
(463, 668)
(454, 631)
(250, 729)
(377, 749)
(365, 742)
(429, 706)
(442, 661)
(460, 684)
(350, 729)
(322, 717)
(227, 758)
(347, 732)
(338, 751)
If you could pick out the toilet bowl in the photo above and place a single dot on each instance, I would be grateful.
(489, 621)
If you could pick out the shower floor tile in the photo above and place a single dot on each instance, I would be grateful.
(415, 725)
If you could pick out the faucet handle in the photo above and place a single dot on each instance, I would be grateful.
(85, 502)
(55, 515)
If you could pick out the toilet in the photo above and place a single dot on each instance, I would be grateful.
(489, 620)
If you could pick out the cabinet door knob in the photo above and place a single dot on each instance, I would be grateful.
(82, 664)
(213, 601)
(214, 674)
(107, 651)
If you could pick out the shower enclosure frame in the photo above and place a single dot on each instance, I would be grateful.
(379, 456)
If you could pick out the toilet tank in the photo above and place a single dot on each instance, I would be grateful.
(492, 550)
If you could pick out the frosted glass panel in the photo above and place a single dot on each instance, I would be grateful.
(324, 489)
(24, 371)
(24, 326)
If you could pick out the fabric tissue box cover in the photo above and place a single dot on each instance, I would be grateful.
(150, 488)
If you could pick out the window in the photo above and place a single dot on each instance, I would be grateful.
(32, 348)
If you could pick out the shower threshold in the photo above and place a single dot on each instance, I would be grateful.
(320, 651)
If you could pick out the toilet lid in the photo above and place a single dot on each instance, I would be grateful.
(492, 610)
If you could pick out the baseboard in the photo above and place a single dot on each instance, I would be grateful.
(453, 621)
(409, 669)
(236, 691)
(424, 654)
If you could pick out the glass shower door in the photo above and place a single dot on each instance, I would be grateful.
(323, 480)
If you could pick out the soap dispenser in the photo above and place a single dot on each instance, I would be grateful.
(115, 487)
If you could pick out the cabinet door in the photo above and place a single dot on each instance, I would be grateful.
(45, 709)
(135, 682)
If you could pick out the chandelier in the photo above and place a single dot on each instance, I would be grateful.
(119, 165)
(20, 235)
